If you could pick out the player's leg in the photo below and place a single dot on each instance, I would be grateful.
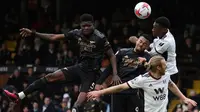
(118, 102)
(86, 81)
(78, 105)
(59, 75)
(135, 101)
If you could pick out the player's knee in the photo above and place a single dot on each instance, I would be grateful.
(56, 76)
(49, 77)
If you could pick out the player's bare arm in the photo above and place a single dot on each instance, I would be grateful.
(25, 32)
(110, 90)
(115, 80)
(172, 86)
(133, 39)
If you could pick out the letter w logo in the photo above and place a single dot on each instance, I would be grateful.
(159, 90)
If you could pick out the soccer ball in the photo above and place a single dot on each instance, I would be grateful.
(142, 10)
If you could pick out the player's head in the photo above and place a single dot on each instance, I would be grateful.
(157, 64)
(143, 42)
(87, 24)
(160, 26)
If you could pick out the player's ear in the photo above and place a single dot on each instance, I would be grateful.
(165, 29)
(158, 67)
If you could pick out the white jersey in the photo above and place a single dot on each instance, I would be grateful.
(166, 46)
(155, 91)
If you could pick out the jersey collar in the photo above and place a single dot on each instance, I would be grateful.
(164, 36)
(153, 76)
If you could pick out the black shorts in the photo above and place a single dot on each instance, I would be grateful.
(128, 102)
(75, 74)
(175, 78)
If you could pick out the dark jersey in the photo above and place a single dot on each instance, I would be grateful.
(128, 66)
(92, 48)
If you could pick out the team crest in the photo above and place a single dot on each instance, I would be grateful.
(130, 62)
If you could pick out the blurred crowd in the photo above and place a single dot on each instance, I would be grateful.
(17, 51)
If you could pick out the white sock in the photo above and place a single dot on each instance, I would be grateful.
(21, 95)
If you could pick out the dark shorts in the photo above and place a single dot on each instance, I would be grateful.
(128, 102)
(175, 78)
(75, 74)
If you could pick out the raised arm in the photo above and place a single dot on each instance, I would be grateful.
(25, 32)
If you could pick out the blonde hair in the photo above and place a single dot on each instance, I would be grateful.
(154, 62)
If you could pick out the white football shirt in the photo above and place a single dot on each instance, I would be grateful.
(155, 91)
(166, 46)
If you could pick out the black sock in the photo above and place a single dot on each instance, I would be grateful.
(40, 83)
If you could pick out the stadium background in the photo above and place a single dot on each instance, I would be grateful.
(24, 60)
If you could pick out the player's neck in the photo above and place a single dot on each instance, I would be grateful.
(163, 34)
(155, 75)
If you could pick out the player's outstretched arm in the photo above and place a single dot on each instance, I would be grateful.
(133, 39)
(110, 90)
(25, 32)
(178, 93)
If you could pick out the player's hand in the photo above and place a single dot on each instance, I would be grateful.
(93, 95)
(188, 100)
(25, 32)
(98, 87)
(116, 80)
(133, 39)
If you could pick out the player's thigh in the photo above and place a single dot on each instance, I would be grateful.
(118, 103)
(55, 76)
(87, 80)
(65, 74)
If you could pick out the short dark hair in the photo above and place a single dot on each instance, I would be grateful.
(86, 17)
(163, 22)
(146, 36)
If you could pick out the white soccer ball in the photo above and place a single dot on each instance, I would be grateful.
(142, 10)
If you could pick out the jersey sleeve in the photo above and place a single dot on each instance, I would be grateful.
(71, 34)
(137, 82)
(162, 47)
